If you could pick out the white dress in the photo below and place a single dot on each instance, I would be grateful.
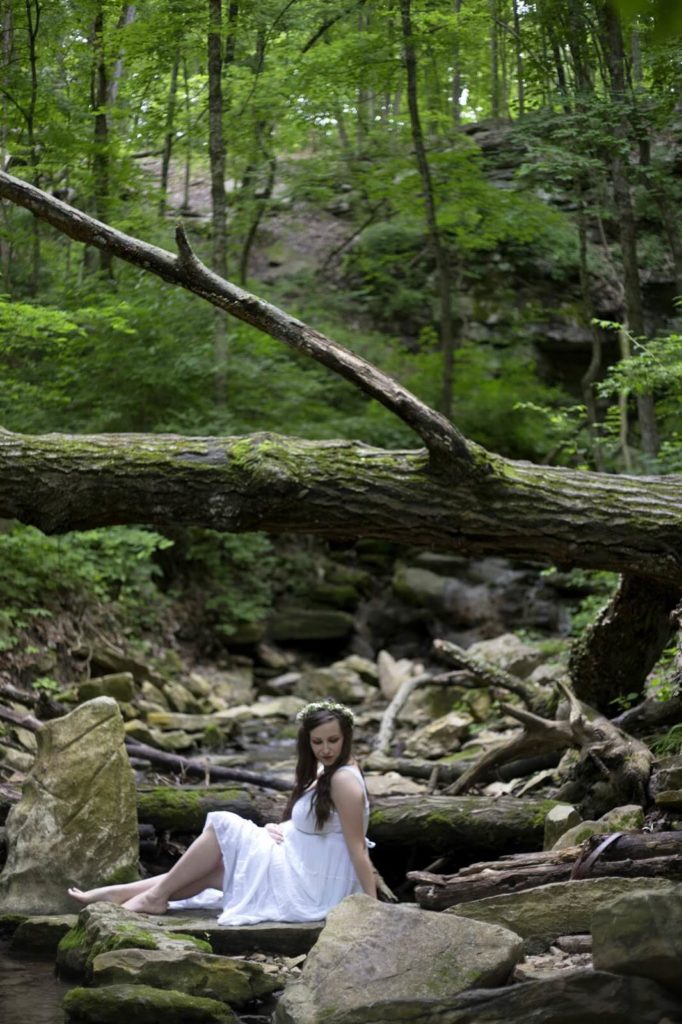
(299, 879)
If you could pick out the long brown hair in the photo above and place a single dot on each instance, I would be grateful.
(307, 767)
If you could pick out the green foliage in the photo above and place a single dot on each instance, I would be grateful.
(235, 572)
(669, 744)
(41, 575)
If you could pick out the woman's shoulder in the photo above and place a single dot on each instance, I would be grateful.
(348, 777)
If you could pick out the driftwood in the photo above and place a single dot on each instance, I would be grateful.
(449, 772)
(387, 726)
(651, 714)
(631, 855)
(491, 675)
(204, 769)
(615, 764)
(22, 718)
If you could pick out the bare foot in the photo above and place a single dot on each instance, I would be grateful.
(147, 903)
(106, 894)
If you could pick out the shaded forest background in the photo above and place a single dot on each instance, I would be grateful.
(480, 196)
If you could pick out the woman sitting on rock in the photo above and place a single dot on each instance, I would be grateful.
(296, 871)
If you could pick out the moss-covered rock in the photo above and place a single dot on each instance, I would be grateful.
(143, 1004)
(563, 908)
(120, 686)
(201, 974)
(76, 822)
(310, 624)
(102, 927)
(628, 818)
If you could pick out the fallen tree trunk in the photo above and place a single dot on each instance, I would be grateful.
(184, 808)
(633, 855)
(459, 825)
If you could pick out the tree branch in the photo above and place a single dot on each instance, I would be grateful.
(444, 442)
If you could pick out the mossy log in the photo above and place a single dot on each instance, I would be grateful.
(471, 825)
(636, 855)
(184, 808)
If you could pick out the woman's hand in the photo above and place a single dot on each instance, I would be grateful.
(275, 832)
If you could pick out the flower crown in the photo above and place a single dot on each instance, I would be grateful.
(325, 705)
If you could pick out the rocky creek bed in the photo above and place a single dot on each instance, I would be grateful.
(484, 941)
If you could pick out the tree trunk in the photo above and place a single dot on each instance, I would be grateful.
(126, 18)
(436, 242)
(33, 13)
(620, 648)
(184, 809)
(454, 495)
(169, 136)
(518, 50)
(613, 45)
(100, 159)
(216, 153)
(457, 82)
(494, 61)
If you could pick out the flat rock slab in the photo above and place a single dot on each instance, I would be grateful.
(40, 936)
(539, 915)
(232, 981)
(271, 937)
(144, 1005)
(102, 927)
(583, 997)
(374, 961)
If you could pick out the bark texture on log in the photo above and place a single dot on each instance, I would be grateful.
(184, 808)
(454, 496)
(459, 824)
(620, 648)
(343, 489)
(635, 855)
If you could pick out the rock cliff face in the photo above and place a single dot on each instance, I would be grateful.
(76, 822)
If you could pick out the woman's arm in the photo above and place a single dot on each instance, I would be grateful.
(349, 801)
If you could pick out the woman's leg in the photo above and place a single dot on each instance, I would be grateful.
(200, 867)
(113, 893)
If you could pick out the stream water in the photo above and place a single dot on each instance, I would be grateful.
(30, 993)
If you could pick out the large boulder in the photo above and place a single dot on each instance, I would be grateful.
(641, 933)
(510, 653)
(373, 961)
(76, 822)
(539, 915)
